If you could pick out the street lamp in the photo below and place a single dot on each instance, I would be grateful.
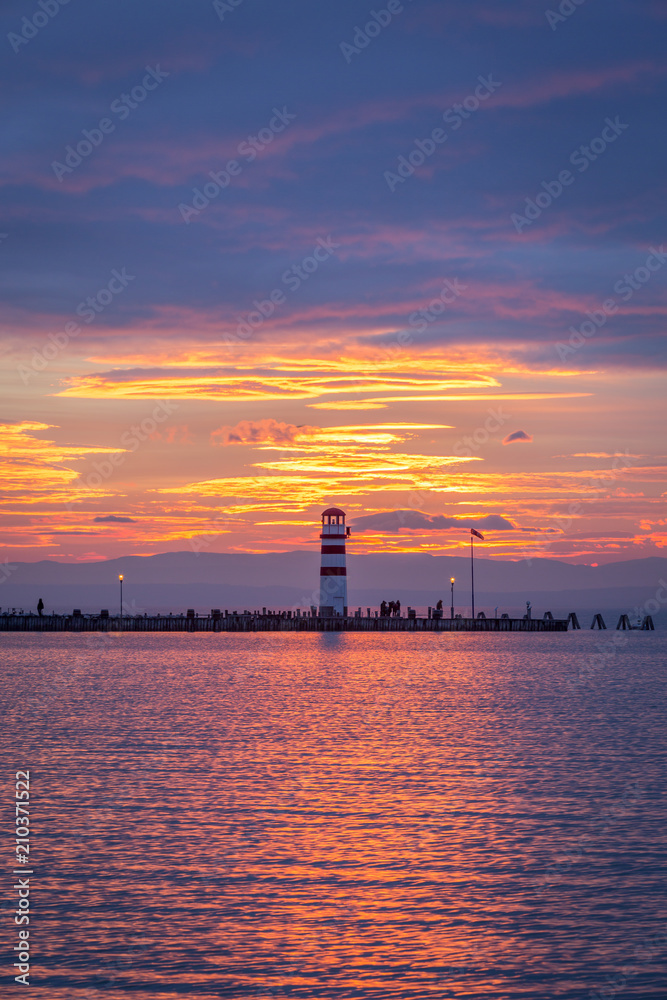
(120, 580)
(452, 582)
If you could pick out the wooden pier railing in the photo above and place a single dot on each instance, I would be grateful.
(284, 622)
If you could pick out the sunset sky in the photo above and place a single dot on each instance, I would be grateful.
(258, 259)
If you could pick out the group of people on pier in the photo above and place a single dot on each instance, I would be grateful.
(390, 609)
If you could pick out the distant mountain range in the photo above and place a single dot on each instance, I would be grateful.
(174, 581)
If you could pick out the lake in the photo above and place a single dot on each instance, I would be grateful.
(341, 815)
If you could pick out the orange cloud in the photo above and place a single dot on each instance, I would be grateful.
(31, 467)
(259, 432)
(258, 385)
(474, 397)
(264, 434)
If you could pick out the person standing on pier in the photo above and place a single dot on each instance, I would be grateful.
(40, 607)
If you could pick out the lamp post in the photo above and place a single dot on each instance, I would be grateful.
(452, 582)
(120, 580)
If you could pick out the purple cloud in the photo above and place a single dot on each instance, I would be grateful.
(112, 519)
(518, 436)
(415, 520)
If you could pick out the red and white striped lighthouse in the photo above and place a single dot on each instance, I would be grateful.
(333, 572)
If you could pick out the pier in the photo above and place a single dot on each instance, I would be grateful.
(284, 621)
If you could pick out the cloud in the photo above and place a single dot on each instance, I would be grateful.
(310, 383)
(415, 520)
(601, 454)
(38, 469)
(112, 519)
(267, 431)
(518, 436)
(73, 533)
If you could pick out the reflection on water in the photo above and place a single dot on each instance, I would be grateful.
(342, 815)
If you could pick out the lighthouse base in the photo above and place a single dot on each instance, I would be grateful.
(330, 611)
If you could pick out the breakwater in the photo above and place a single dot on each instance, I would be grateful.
(284, 622)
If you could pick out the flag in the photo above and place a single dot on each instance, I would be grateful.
(476, 534)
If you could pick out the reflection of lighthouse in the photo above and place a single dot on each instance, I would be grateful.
(333, 574)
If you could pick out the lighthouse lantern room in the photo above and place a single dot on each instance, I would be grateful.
(333, 572)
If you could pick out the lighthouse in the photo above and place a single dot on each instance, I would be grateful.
(333, 573)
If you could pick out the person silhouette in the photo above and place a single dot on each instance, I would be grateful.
(40, 607)
(438, 606)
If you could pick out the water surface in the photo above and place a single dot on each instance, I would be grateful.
(342, 816)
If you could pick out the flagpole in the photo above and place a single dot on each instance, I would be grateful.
(472, 571)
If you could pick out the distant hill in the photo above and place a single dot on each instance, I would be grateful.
(173, 581)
